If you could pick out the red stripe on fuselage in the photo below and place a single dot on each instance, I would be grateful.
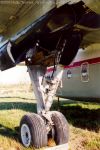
(79, 63)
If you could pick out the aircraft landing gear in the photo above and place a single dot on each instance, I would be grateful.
(35, 129)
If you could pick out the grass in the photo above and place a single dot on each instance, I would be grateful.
(83, 118)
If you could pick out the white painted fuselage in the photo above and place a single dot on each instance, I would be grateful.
(81, 79)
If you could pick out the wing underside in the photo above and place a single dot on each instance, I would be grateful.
(25, 22)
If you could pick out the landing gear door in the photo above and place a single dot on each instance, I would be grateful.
(6, 58)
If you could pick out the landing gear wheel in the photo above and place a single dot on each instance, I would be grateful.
(61, 128)
(33, 131)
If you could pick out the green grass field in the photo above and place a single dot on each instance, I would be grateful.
(83, 118)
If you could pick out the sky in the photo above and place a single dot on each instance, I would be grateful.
(15, 75)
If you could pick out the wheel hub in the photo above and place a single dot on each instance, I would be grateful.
(25, 135)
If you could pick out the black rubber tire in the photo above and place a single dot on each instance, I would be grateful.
(37, 130)
(60, 127)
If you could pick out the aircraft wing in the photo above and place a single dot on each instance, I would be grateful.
(16, 15)
(24, 22)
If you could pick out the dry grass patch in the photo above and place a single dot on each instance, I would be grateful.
(83, 139)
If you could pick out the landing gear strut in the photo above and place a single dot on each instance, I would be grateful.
(35, 129)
